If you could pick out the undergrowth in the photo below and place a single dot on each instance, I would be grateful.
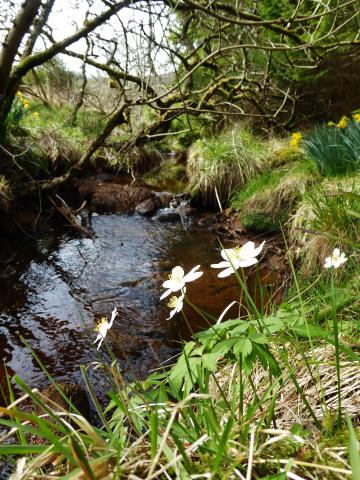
(266, 202)
(335, 149)
(329, 215)
(269, 394)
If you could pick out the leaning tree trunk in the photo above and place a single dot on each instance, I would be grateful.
(20, 28)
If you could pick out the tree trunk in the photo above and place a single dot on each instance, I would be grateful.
(21, 26)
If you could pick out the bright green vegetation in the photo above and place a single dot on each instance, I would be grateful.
(267, 201)
(218, 165)
(251, 397)
(268, 393)
(335, 150)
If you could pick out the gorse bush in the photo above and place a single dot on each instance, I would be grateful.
(335, 149)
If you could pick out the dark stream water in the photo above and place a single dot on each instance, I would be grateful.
(53, 291)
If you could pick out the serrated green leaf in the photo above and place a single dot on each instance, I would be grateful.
(242, 346)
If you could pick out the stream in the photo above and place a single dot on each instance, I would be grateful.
(52, 292)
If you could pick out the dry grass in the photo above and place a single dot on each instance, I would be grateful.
(322, 219)
(57, 147)
(5, 193)
(282, 197)
(318, 384)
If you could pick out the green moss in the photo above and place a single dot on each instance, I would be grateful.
(258, 184)
(169, 175)
(267, 201)
(264, 222)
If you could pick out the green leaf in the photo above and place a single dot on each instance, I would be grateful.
(354, 456)
(259, 338)
(209, 361)
(224, 346)
(153, 432)
(352, 213)
(22, 449)
(243, 346)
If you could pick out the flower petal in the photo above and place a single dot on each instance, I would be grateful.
(258, 249)
(220, 265)
(193, 274)
(172, 285)
(226, 253)
(248, 250)
(177, 272)
(166, 294)
(190, 277)
(247, 262)
(226, 272)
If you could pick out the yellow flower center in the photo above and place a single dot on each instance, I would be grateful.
(234, 254)
(101, 322)
(173, 302)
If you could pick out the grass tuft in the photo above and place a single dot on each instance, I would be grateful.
(219, 165)
(6, 194)
(328, 217)
(268, 200)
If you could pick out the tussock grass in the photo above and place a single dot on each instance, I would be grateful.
(267, 201)
(57, 147)
(328, 217)
(219, 165)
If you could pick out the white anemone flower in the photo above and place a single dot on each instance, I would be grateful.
(237, 257)
(335, 260)
(176, 303)
(103, 326)
(177, 280)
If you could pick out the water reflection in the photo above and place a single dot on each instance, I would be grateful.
(51, 295)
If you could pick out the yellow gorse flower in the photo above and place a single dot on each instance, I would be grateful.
(36, 114)
(26, 104)
(356, 117)
(19, 94)
(295, 139)
(343, 122)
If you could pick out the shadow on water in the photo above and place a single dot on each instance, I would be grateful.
(53, 292)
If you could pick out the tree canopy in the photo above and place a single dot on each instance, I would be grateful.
(182, 58)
